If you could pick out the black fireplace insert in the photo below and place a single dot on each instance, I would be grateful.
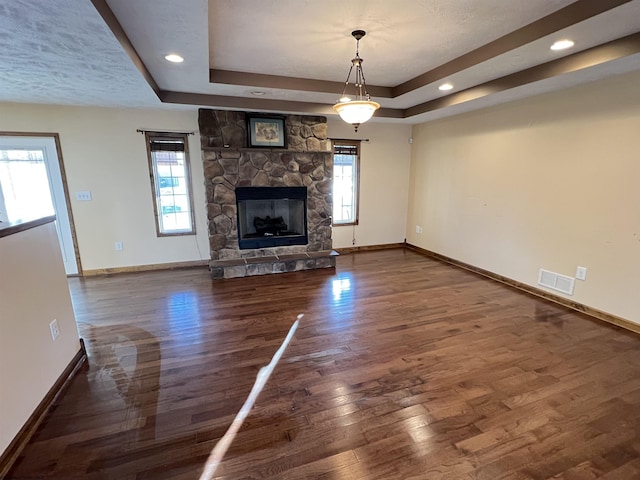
(271, 216)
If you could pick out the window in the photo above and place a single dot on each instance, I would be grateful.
(346, 173)
(171, 183)
(24, 185)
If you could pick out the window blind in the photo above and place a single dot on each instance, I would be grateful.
(166, 144)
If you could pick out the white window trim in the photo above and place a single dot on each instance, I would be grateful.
(155, 188)
(356, 186)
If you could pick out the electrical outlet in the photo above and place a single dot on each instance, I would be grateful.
(55, 330)
(418, 229)
(118, 246)
(581, 273)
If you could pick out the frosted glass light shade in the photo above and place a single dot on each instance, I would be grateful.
(357, 111)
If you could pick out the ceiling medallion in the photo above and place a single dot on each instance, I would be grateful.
(358, 107)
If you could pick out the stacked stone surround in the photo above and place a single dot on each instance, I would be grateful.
(228, 163)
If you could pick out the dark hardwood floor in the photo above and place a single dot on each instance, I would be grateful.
(402, 368)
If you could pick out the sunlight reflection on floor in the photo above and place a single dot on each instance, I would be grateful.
(340, 286)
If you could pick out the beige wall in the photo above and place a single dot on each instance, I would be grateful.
(549, 182)
(104, 154)
(33, 292)
(384, 183)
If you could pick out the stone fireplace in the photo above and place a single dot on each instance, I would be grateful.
(264, 191)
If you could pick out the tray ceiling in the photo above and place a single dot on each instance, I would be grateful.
(296, 53)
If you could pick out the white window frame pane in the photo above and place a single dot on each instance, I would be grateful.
(346, 185)
(170, 184)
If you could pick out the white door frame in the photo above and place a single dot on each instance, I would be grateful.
(62, 206)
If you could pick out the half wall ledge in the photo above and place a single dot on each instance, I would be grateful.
(291, 262)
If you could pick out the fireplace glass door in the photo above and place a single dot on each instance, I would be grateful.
(271, 216)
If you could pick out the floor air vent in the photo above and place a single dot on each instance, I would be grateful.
(556, 281)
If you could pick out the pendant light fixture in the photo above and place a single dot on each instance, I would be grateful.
(356, 108)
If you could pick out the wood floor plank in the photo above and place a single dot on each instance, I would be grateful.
(402, 368)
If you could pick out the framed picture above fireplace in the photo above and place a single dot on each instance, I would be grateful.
(266, 131)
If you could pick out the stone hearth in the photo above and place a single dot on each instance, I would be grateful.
(228, 164)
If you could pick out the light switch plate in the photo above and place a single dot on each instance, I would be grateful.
(84, 196)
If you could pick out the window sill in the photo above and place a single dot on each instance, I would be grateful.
(176, 234)
(350, 224)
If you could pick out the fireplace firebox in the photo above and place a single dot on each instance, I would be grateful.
(271, 216)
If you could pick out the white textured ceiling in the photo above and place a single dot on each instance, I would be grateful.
(404, 37)
(63, 52)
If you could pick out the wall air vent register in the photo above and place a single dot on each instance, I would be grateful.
(555, 281)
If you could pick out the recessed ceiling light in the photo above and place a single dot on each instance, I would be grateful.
(445, 86)
(172, 57)
(258, 93)
(562, 44)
